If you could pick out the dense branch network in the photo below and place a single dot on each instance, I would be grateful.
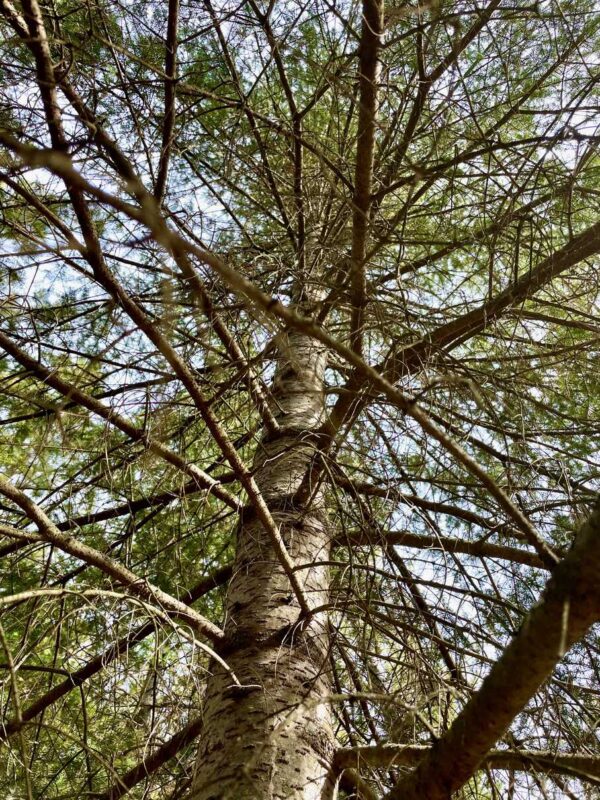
(184, 185)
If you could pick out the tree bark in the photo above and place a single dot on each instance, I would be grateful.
(569, 605)
(272, 737)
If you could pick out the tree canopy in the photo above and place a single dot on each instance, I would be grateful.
(190, 192)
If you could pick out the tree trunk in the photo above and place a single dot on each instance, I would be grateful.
(272, 738)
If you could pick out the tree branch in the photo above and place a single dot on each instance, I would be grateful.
(569, 606)
(579, 765)
(100, 662)
(139, 587)
(169, 114)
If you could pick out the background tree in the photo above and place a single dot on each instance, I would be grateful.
(300, 402)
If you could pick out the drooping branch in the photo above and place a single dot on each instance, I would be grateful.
(73, 394)
(102, 661)
(138, 587)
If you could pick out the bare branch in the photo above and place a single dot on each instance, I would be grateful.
(569, 606)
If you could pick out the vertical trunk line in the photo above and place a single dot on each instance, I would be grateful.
(272, 737)
(368, 77)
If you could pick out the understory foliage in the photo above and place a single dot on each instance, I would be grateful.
(183, 182)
